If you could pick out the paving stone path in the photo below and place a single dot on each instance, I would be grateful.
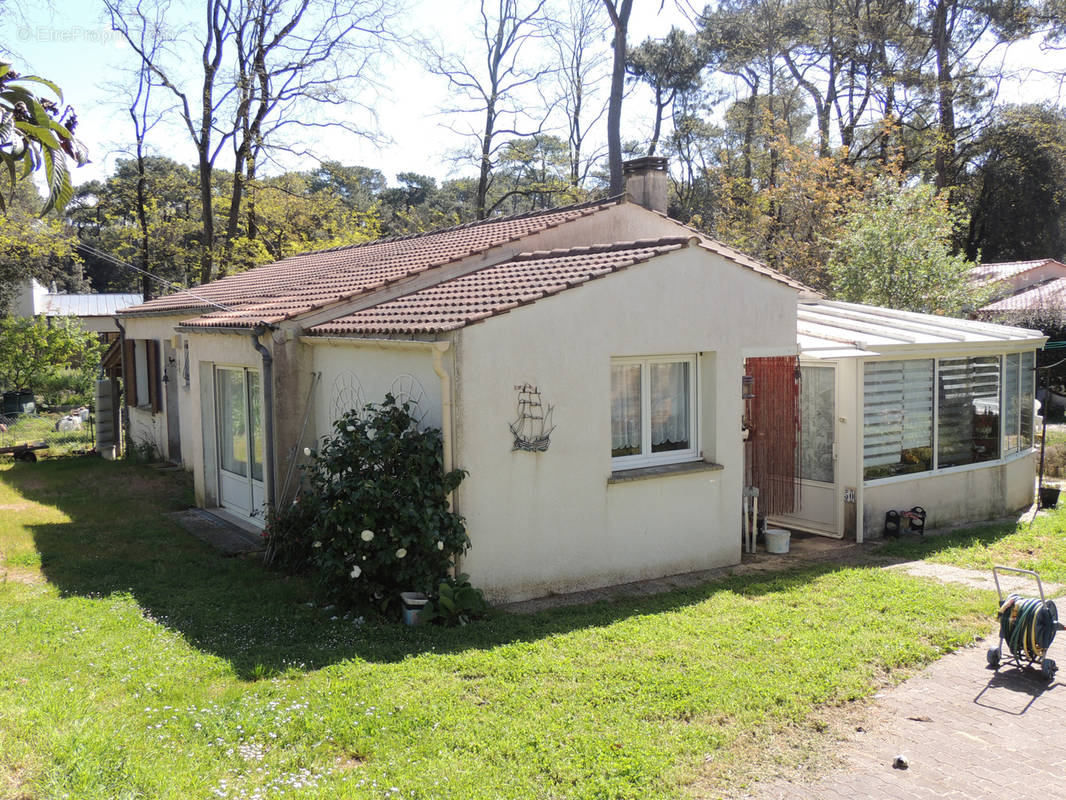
(968, 732)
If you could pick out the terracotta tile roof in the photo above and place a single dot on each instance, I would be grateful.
(497, 289)
(1048, 295)
(1002, 270)
(308, 281)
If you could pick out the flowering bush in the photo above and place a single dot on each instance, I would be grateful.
(382, 524)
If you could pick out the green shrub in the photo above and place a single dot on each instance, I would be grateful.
(288, 535)
(381, 523)
(68, 387)
(1055, 460)
(455, 602)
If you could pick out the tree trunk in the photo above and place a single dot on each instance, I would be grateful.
(142, 220)
(620, 20)
(207, 233)
(481, 199)
(944, 161)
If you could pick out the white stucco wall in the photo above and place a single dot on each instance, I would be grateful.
(363, 367)
(551, 522)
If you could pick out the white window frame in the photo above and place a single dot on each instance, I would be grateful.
(646, 458)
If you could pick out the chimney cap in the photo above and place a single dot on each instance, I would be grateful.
(644, 164)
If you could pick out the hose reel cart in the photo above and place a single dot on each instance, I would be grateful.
(1027, 625)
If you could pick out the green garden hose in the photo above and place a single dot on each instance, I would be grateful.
(1028, 626)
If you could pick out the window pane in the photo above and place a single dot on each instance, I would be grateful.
(817, 423)
(1028, 389)
(670, 428)
(256, 426)
(232, 422)
(1010, 402)
(897, 417)
(625, 410)
(969, 410)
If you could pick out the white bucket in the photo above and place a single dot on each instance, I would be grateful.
(777, 540)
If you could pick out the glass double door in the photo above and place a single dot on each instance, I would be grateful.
(239, 433)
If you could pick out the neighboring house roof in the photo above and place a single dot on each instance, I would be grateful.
(313, 282)
(88, 305)
(498, 289)
(830, 329)
(1050, 294)
(986, 273)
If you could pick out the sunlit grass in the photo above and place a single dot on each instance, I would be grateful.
(140, 664)
(1039, 546)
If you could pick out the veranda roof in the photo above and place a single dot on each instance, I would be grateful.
(830, 329)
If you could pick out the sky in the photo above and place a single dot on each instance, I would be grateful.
(70, 42)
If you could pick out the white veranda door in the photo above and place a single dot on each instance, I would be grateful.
(239, 432)
(817, 467)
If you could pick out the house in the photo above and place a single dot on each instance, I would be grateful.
(900, 409)
(95, 312)
(1023, 290)
(635, 330)
(611, 310)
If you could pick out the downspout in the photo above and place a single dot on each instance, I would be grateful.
(124, 414)
(268, 411)
(439, 349)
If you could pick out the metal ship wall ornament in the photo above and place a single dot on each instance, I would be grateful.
(532, 430)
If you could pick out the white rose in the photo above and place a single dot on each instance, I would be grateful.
(356, 571)
(318, 544)
(440, 545)
(307, 451)
(401, 553)
(366, 535)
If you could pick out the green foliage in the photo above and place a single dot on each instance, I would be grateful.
(288, 534)
(1018, 188)
(895, 250)
(31, 247)
(35, 134)
(382, 523)
(455, 602)
(104, 213)
(32, 350)
(67, 387)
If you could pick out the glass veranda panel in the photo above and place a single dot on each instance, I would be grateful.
(1028, 398)
(817, 423)
(1011, 402)
(969, 404)
(897, 417)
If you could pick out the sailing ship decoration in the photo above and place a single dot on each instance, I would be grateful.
(532, 430)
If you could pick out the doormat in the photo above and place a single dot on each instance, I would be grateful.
(220, 534)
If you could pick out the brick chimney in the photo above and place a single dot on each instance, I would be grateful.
(646, 181)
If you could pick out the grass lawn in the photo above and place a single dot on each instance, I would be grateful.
(1040, 546)
(140, 664)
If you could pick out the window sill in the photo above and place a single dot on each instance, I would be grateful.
(661, 471)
